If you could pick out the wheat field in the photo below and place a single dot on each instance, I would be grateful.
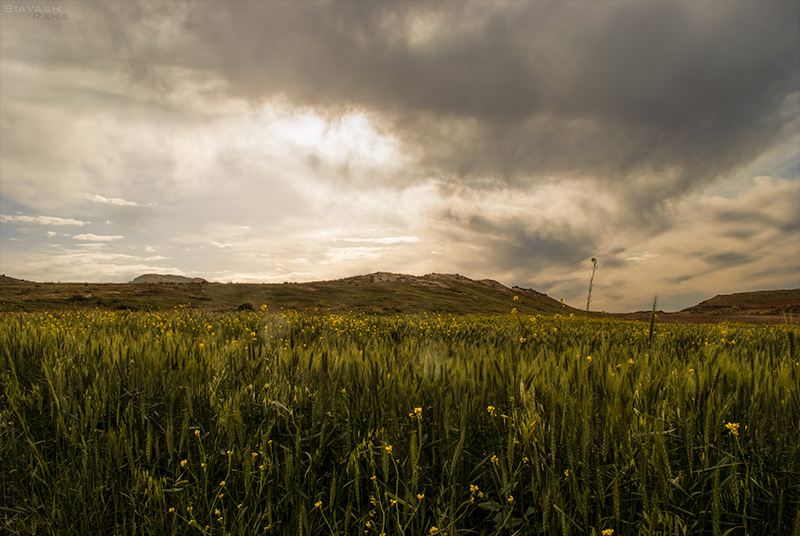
(261, 423)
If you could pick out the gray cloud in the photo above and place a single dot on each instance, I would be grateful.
(523, 138)
(671, 93)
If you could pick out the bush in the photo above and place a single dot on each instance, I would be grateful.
(246, 306)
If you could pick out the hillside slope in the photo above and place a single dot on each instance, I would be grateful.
(765, 302)
(378, 293)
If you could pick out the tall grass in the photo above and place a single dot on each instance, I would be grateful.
(182, 423)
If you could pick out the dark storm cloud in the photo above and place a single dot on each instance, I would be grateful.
(511, 243)
(670, 94)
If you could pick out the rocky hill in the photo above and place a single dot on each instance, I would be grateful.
(378, 293)
(167, 278)
(765, 302)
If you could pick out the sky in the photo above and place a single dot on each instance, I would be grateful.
(300, 141)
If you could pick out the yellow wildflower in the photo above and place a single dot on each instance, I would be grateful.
(733, 427)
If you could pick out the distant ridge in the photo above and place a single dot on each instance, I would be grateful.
(381, 293)
(167, 278)
(763, 302)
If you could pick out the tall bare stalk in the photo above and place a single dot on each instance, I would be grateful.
(591, 282)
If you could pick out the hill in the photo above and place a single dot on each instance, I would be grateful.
(765, 306)
(378, 293)
(766, 302)
(166, 278)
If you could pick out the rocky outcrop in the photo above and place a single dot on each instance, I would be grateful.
(167, 278)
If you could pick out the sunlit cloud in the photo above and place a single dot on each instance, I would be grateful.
(116, 201)
(41, 220)
(97, 238)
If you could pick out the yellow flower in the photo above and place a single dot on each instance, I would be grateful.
(473, 488)
(691, 371)
(318, 504)
(183, 463)
(567, 472)
(495, 460)
(510, 499)
(418, 412)
(516, 298)
(514, 311)
(433, 530)
(491, 410)
(630, 361)
(197, 433)
(388, 449)
(607, 532)
(171, 510)
(189, 509)
(589, 358)
(420, 496)
(216, 512)
(733, 427)
(222, 484)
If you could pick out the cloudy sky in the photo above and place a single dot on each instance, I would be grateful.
(296, 141)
